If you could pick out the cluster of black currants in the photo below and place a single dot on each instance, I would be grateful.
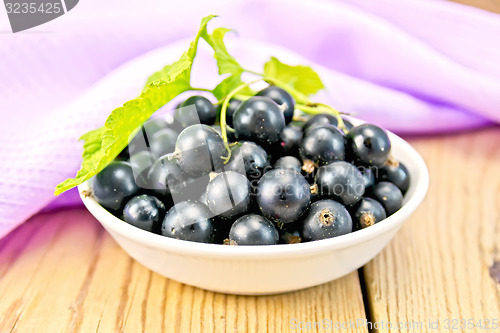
(276, 179)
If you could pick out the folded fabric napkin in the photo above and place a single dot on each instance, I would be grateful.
(412, 66)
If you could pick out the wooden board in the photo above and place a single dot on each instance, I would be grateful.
(490, 5)
(438, 266)
(61, 272)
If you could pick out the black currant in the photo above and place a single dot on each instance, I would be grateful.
(145, 212)
(396, 173)
(368, 176)
(231, 108)
(321, 145)
(166, 177)
(280, 96)
(368, 212)
(253, 229)
(228, 194)
(288, 162)
(250, 159)
(199, 150)
(163, 142)
(141, 163)
(192, 188)
(195, 110)
(290, 233)
(326, 219)
(230, 135)
(154, 125)
(388, 195)
(290, 139)
(283, 195)
(318, 120)
(221, 229)
(141, 141)
(260, 120)
(114, 185)
(348, 125)
(368, 145)
(189, 220)
(203, 198)
(341, 181)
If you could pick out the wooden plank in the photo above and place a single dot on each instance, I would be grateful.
(490, 5)
(438, 266)
(61, 272)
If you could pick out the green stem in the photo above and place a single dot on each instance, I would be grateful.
(253, 72)
(299, 97)
(223, 123)
(200, 89)
(304, 103)
(319, 108)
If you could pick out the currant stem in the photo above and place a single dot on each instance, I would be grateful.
(320, 108)
(200, 89)
(223, 112)
(299, 97)
(304, 103)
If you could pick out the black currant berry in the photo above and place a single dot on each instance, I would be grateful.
(368, 212)
(288, 162)
(114, 185)
(348, 125)
(280, 97)
(141, 163)
(318, 120)
(189, 220)
(195, 110)
(368, 176)
(388, 195)
(163, 142)
(253, 229)
(154, 125)
(283, 195)
(228, 194)
(291, 136)
(341, 181)
(250, 159)
(141, 141)
(260, 120)
(199, 150)
(192, 188)
(326, 219)
(203, 198)
(396, 173)
(291, 233)
(166, 178)
(321, 145)
(145, 212)
(230, 135)
(368, 145)
(231, 108)
(221, 229)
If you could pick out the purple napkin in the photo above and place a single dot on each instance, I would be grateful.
(412, 66)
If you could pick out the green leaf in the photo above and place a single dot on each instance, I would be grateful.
(92, 153)
(302, 78)
(226, 86)
(229, 84)
(226, 62)
(102, 145)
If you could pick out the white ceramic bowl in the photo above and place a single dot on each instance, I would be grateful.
(253, 270)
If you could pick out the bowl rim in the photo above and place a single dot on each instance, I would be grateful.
(115, 225)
